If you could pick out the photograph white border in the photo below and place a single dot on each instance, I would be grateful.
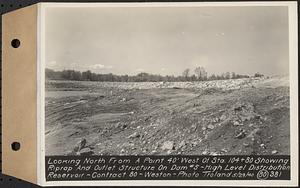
(293, 67)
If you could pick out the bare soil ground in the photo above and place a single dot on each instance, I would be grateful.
(246, 116)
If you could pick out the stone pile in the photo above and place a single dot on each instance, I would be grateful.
(81, 148)
(230, 84)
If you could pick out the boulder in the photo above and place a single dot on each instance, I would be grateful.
(168, 145)
(210, 126)
(134, 135)
(80, 145)
(86, 151)
(274, 152)
(237, 123)
(181, 144)
(205, 152)
(241, 134)
(223, 117)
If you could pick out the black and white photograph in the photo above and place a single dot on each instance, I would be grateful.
(167, 80)
(151, 93)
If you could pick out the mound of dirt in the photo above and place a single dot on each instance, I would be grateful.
(230, 117)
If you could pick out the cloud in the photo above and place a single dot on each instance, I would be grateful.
(51, 64)
(140, 70)
(220, 34)
(97, 66)
(100, 66)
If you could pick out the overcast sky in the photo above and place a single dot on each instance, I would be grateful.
(168, 40)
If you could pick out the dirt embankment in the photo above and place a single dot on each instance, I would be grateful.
(246, 116)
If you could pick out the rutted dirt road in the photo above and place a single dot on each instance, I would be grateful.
(246, 116)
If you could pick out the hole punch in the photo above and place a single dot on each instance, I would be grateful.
(15, 43)
(15, 146)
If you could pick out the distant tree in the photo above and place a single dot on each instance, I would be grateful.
(213, 77)
(87, 75)
(94, 77)
(223, 76)
(110, 77)
(193, 78)
(242, 76)
(76, 75)
(143, 77)
(186, 73)
(198, 72)
(172, 78)
(258, 75)
(66, 74)
(201, 73)
(124, 78)
(227, 75)
(233, 75)
(53, 75)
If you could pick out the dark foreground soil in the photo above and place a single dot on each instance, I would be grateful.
(85, 119)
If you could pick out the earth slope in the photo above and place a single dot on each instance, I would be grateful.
(244, 116)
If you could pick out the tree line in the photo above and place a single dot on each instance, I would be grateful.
(199, 74)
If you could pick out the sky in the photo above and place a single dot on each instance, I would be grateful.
(167, 40)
